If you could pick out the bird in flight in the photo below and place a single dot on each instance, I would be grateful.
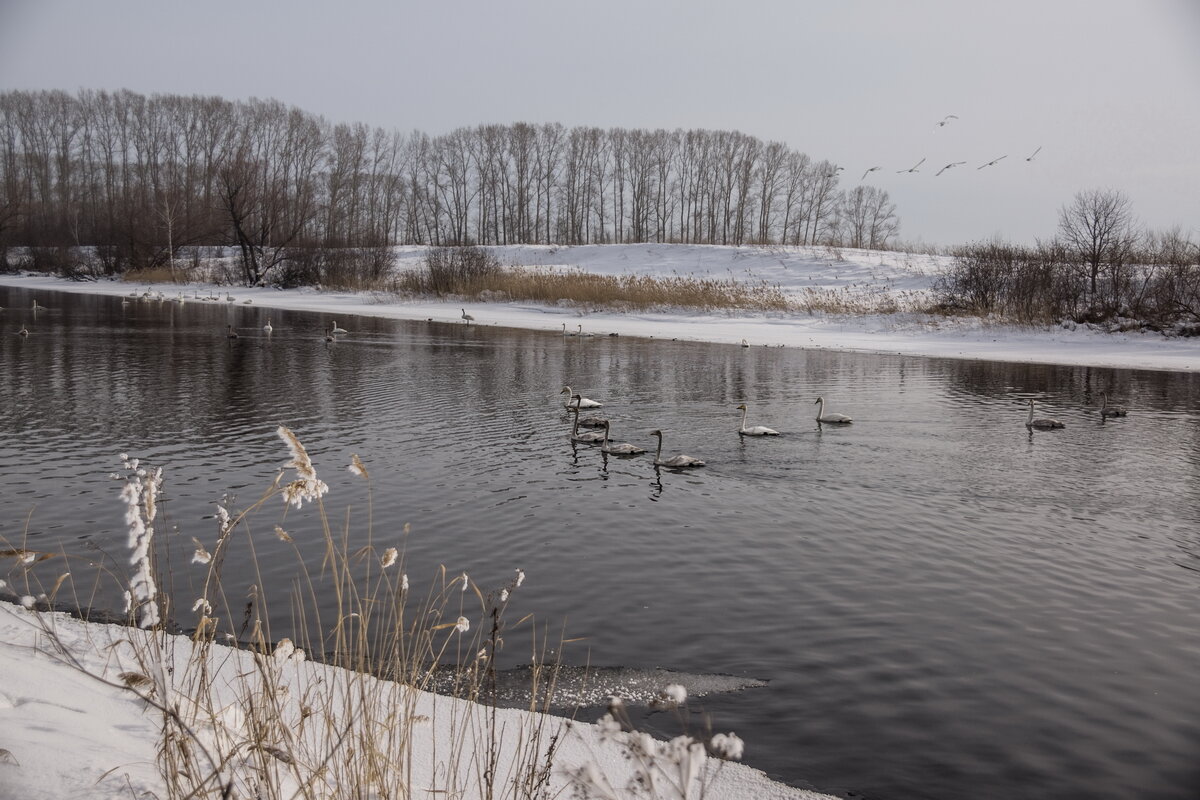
(993, 162)
(951, 165)
(1034, 153)
(946, 120)
(913, 168)
(868, 172)
(833, 174)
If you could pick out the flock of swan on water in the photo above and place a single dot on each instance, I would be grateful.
(576, 402)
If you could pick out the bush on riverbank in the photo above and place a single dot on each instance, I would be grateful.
(1154, 286)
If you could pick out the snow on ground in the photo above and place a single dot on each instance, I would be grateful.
(65, 734)
(792, 269)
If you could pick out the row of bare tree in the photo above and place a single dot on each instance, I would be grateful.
(1101, 265)
(138, 177)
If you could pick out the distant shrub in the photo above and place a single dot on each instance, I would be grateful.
(459, 270)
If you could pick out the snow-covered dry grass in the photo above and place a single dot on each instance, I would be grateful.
(107, 711)
(855, 300)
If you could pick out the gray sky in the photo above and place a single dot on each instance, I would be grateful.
(1110, 89)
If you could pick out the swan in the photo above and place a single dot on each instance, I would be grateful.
(834, 419)
(591, 437)
(592, 422)
(673, 461)
(23, 332)
(268, 327)
(1041, 423)
(231, 333)
(757, 430)
(567, 332)
(1109, 411)
(336, 329)
(745, 343)
(618, 449)
(583, 401)
(467, 318)
(581, 333)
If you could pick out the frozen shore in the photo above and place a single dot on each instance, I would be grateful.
(66, 734)
(794, 270)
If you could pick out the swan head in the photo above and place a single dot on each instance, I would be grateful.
(742, 407)
(566, 390)
(656, 433)
(819, 400)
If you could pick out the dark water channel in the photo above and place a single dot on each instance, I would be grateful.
(942, 606)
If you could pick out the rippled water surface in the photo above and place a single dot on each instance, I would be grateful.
(942, 605)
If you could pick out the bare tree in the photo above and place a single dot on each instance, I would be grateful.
(1098, 227)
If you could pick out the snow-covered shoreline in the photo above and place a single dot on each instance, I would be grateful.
(793, 270)
(66, 734)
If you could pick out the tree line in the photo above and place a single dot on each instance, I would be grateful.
(138, 177)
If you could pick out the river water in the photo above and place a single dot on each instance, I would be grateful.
(941, 604)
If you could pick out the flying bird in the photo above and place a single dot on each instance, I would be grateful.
(993, 162)
(834, 173)
(951, 165)
(1034, 153)
(868, 172)
(913, 168)
(946, 120)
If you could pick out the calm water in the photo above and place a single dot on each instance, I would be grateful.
(943, 606)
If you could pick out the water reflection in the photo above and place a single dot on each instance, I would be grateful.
(942, 606)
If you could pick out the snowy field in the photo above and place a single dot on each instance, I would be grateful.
(793, 270)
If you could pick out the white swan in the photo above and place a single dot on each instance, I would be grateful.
(673, 461)
(23, 332)
(591, 437)
(467, 318)
(230, 332)
(567, 332)
(1041, 423)
(757, 430)
(833, 419)
(745, 343)
(582, 334)
(336, 329)
(583, 401)
(268, 327)
(1109, 411)
(618, 449)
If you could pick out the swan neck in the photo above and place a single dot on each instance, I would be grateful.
(744, 410)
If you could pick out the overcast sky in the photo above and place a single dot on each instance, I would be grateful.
(1109, 89)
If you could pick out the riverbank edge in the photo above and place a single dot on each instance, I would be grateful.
(105, 747)
(897, 334)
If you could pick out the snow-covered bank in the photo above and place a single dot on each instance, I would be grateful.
(794, 270)
(66, 734)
